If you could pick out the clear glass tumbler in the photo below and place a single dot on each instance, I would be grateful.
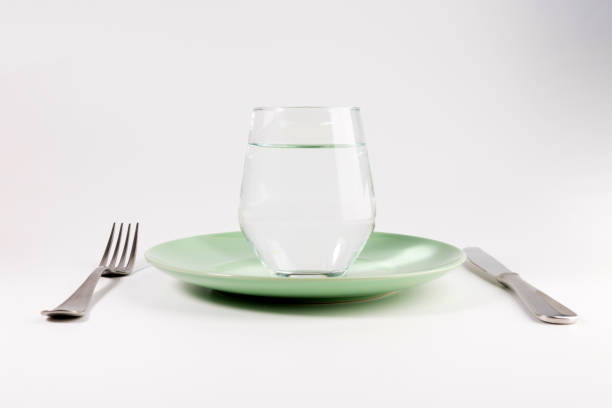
(307, 203)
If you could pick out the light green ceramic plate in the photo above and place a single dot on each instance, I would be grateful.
(226, 262)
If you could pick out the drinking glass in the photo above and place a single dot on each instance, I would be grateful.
(307, 203)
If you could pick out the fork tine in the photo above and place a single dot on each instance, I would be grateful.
(111, 264)
(130, 264)
(108, 245)
(125, 247)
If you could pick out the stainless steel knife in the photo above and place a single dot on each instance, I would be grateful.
(540, 304)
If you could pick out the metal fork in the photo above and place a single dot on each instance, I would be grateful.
(76, 305)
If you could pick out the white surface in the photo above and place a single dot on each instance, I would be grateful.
(488, 124)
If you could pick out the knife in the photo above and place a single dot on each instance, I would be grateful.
(540, 304)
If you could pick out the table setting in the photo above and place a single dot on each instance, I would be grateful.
(305, 204)
(307, 214)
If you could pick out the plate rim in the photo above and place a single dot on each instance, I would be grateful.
(167, 268)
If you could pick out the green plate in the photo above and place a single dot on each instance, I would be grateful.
(226, 262)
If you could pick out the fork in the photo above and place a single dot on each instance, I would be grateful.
(76, 305)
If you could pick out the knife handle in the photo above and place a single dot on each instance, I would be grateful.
(539, 303)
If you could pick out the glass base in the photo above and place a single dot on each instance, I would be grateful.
(308, 274)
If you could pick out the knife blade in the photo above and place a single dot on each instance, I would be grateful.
(542, 306)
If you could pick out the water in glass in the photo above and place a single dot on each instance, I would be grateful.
(307, 208)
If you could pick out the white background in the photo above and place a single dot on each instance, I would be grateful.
(488, 123)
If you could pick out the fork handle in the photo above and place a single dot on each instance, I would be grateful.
(76, 305)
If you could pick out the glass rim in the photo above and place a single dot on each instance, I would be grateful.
(273, 108)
